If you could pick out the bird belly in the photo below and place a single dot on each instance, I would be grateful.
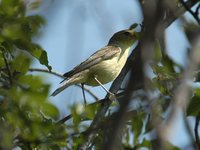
(106, 71)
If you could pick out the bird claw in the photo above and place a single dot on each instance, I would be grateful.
(112, 97)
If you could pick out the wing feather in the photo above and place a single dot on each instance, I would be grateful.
(103, 54)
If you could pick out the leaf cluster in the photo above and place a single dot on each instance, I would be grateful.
(27, 118)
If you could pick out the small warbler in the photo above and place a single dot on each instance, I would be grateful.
(104, 65)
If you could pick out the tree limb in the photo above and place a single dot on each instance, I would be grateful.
(133, 59)
(196, 130)
(61, 76)
(194, 14)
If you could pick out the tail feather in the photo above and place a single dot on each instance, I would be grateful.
(61, 88)
(78, 78)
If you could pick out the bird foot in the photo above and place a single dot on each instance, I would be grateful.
(112, 97)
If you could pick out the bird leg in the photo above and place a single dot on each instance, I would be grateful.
(112, 96)
(82, 86)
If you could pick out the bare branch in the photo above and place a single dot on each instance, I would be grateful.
(70, 116)
(189, 131)
(46, 71)
(176, 13)
(61, 76)
(133, 61)
(89, 92)
(197, 10)
(63, 120)
(181, 96)
(196, 131)
(195, 15)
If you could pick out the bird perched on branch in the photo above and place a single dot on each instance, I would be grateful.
(104, 65)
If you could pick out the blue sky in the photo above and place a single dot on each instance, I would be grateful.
(77, 28)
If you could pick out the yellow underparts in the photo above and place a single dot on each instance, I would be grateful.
(106, 71)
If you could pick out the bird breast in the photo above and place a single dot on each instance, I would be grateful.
(107, 70)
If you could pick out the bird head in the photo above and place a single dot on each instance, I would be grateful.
(124, 37)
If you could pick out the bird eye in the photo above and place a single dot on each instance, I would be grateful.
(127, 33)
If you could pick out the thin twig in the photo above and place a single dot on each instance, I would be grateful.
(190, 11)
(181, 98)
(61, 76)
(119, 97)
(189, 131)
(131, 61)
(83, 91)
(172, 16)
(46, 71)
(197, 10)
(196, 130)
(89, 92)
(63, 120)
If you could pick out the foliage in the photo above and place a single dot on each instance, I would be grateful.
(27, 119)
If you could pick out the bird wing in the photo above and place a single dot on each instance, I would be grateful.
(103, 54)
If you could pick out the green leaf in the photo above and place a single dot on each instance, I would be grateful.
(12, 9)
(150, 144)
(157, 52)
(2, 63)
(12, 31)
(50, 110)
(34, 5)
(194, 105)
(33, 23)
(197, 78)
(165, 79)
(145, 143)
(148, 126)
(21, 63)
(28, 119)
(35, 50)
(137, 124)
(40, 54)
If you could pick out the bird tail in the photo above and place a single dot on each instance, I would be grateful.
(63, 86)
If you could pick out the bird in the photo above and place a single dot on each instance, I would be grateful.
(104, 65)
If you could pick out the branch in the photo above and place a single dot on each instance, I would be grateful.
(89, 92)
(119, 97)
(189, 131)
(63, 120)
(70, 116)
(46, 71)
(132, 61)
(196, 130)
(179, 11)
(181, 95)
(197, 10)
(106, 124)
(61, 76)
(194, 14)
